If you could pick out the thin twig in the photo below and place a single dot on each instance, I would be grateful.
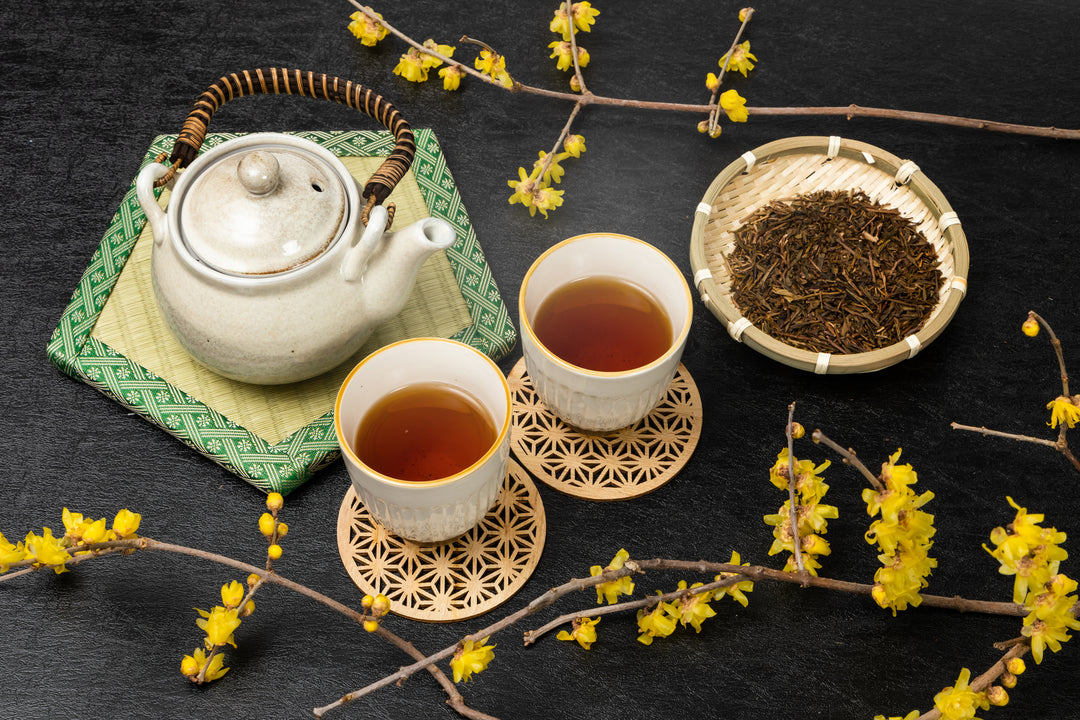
(984, 681)
(1008, 435)
(714, 115)
(849, 458)
(796, 540)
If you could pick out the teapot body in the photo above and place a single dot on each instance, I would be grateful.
(295, 321)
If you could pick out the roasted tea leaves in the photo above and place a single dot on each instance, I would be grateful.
(833, 271)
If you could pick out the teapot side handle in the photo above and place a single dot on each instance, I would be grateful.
(144, 191)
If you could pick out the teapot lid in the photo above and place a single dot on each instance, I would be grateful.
(262, 211)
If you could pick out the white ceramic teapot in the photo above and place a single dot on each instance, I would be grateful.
(263, 266)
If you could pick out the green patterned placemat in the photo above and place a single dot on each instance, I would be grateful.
(275, 437)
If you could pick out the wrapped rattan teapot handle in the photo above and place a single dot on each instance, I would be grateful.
(268, 81)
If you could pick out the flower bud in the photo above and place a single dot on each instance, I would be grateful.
(248, 609)
(371, 625)
(381, 604)
(1016, 666)
(997, 695)
(1008, 680)
(797, 430)
(282, 530)
(1030, 327)
(266, 524)
(367, 601)
(189, 667)
(274, 551)
(252, 579)
(274, 502)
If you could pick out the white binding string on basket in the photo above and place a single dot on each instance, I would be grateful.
(868, 157)
(701, 275)
(947, 220)
(736, 328)
(905, 171)
(704, 208)
(749, 158)
(822, 365)
(914, 344)
(960, 284)
(834, 146)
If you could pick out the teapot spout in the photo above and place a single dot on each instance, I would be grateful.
(392, 267)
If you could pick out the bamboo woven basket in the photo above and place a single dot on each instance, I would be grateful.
(797, 165)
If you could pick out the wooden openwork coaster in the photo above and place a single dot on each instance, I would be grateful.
(618, 465)
(454, 580)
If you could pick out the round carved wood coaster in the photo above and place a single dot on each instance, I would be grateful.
(449, 581)
(614, 466)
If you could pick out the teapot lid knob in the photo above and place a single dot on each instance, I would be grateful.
(259, 172)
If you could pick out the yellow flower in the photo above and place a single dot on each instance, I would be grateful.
(574, 145)
(584, 631)
(555, 171)
(910, 716)
(367, 30)
(47, 550)
(411, 67)
(193, 664)
(712, 82)
(430, 61)
(736, 590)
(9, 553)
(267, 523)
(451, 76)
(1064, 411)
(565, 54)
(1030, 327)
(613, 588)
(232, 594)
(808, 482)
(694, 609)
(274, 501)
(471, 657)
(126, 523)
(743, 13)
(584, 17)
(544, 199)
(219, 625)
(494, 64)
(734, 105)
(523, 188)
(740, 59)
(661, 621)
(959, 702)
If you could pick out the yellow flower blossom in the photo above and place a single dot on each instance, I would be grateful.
(126, 523)
(10, 554)
(910, 716)
(523, 188)
(544, 199)
(555, 171)
(744, 13)
(47, 550)
(959, 702)
(661, 621)
(613, 588)
(411, 67)
(219, 625)
(472, 656)
(430, 61)
(494, 65)
(712, 82)
(451, 76)
(232, 594)
(735, 591)
(574, 145)
(694, 609)
(1064, 411)
(734, 105)
(1027, 551)
(583, 631)
(565, 55)
(367, 30)
(584, 16)
(741, 58)
(808, 481)
(193, 664)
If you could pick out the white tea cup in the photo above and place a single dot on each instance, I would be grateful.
(440, 509)
(593, 400)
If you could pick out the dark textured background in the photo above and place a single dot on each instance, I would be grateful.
(87, 85)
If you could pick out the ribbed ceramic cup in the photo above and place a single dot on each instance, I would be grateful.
(588, 399)
(433, 510)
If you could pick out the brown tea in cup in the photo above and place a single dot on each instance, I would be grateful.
(424, 432)
(602, 323)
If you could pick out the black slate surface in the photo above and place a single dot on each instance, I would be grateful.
(87, 85)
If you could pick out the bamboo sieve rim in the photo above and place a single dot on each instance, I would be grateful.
(868, 158)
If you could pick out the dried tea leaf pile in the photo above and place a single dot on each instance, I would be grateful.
(833, 271)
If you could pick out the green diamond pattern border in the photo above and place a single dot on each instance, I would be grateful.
(288, 464)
